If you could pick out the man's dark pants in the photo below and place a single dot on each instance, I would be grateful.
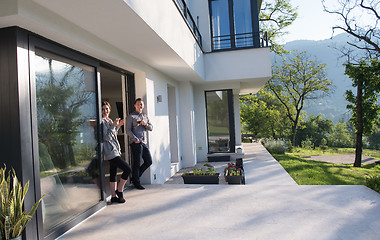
(139, 151)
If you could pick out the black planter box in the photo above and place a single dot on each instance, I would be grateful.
(201, 179)
(236, 179)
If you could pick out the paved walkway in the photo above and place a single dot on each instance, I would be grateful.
(345, 159)
(270, 206)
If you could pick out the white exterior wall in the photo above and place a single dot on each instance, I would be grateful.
(200, 9)
(150, 39)
(188, 141)
(200, 123)
(163, 17)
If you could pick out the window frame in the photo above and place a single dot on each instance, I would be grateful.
(254, 22)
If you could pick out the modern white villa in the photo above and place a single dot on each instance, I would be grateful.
(189, 60)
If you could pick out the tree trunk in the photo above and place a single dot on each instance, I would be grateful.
(71, 155)
(293, 140)
(359, 119)
(294, 128)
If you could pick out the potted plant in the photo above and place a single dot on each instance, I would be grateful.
(233, 174)
(206, 175)
(13, 218)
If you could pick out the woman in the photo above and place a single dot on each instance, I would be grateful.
(112, 153)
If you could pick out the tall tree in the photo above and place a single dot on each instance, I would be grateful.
(275, 16)
(295, 80)
(364, 106)
(360, 19)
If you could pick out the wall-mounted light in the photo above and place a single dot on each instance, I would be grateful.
(159, 98)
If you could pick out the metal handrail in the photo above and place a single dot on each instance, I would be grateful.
(185, 12)
(242, 40)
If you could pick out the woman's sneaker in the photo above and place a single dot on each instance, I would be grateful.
(120, 196)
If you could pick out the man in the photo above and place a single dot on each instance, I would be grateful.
(137, 126)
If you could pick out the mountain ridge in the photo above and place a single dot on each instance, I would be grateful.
(327, 51)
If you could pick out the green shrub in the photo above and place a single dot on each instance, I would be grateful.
(373, 182)
(323, 145)
(275, 146)
(308, 144)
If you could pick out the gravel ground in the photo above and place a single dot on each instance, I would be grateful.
(345, 159)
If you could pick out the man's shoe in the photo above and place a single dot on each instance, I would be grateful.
(139, 187)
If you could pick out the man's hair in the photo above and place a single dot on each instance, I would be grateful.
(137, 99)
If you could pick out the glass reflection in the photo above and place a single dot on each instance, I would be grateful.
(66, 109)
(220, 21)
(218, 121)
(243, 23)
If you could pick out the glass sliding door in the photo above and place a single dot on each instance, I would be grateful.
(220, 124)
(67, 126)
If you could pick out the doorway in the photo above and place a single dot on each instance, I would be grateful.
(173, 124)
(220, 121)
(117, 89)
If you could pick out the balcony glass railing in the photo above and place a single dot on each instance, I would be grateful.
(237, 41)
(185, 12)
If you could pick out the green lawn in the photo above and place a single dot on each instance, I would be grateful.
(309, 172)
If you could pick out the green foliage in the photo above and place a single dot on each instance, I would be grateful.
(13, 218)
(374, 138)
(315, 129)
(367, 74)
(373, 182)
(296, 80)
(309, 172)
(263, 115)
(340, 136)
(275, 16)
(209, 170)
(307, 144)
(275, 146)
(323, 146)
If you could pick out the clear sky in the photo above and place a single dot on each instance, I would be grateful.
(312, 22)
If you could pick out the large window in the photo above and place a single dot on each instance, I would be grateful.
(66, 116)
(234, 24)
(220, 124)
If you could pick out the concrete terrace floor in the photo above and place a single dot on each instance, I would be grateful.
(270, 206)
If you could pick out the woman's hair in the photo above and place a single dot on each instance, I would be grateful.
(105, 103)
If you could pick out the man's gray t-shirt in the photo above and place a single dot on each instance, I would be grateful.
(135, 130)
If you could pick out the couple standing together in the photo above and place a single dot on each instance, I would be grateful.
(137, 126)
